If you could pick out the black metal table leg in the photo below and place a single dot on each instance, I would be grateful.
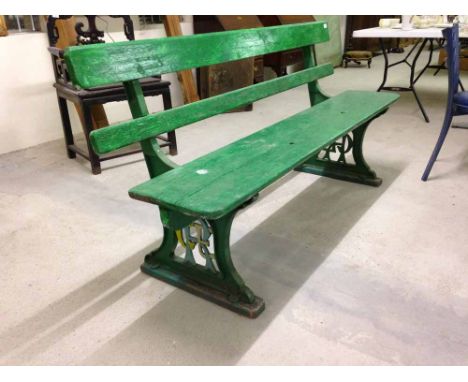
(413, 81)
(428, 65)
(412, 65)
(384, 80)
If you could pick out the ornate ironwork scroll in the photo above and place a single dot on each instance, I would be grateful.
(197, 236)
(344, 160)
(337, 151)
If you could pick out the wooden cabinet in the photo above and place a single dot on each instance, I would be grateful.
(217, 79)
(279, 61)
(221, 78)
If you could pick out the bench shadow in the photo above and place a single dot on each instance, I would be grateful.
(48, 326)
(275, 259)
(44, 329)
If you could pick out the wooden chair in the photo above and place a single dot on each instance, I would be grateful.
(457, 101)
(88, 101)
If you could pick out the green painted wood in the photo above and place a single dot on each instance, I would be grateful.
(215, 184)
(315, 93)
(156, 161)
(123, 134)
(102, 64)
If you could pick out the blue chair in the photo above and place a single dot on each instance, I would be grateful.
(457, 101)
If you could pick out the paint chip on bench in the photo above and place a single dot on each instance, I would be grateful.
(202, 171)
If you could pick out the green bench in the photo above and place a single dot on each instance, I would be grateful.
(198, 200)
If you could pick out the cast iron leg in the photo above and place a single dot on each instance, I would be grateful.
(217, 280)
(66, 125)
(171, 135)
(338, 168)
(88, 127)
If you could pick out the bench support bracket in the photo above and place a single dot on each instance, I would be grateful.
(333, 162)
(207, 274)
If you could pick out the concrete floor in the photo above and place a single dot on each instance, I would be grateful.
(350, 274)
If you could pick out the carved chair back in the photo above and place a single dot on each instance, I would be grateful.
(91, 35)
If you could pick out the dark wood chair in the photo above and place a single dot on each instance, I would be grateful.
(87, 99)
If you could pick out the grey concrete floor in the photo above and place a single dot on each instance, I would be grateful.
(350, 274)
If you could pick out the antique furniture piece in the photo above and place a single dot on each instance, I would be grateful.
(198, 200)
(88, 99)
(3, 26)
(279, 61)
(357, 56)
(221, 78)
(423, 35)
(185, 77)
(457, 101)
(358, 22)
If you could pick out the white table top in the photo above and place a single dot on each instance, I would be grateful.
(378, 32)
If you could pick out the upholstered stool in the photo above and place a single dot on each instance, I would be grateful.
(357, 56)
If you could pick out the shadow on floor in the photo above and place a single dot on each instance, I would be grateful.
(275, 259)
(47, 323)
(457, 163)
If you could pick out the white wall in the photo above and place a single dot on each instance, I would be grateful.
(343, 32)
(29, 113)
(28, 108)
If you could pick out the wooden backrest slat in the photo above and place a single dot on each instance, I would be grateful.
(102, 64)
(125, 133)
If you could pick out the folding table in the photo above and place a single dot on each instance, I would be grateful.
(424, 35)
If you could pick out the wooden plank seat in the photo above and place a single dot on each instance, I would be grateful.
(221, 181)
(198, 200)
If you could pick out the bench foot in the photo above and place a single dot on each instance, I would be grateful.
(163, 273)
(334, 161)
(348, 173)
(203, 269)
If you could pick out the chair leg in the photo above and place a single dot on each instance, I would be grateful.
(66, 125)
(171, 136)
(88, 127)
(438, 146)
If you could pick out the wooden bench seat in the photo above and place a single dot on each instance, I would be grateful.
(221, 181)
(199, 200)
